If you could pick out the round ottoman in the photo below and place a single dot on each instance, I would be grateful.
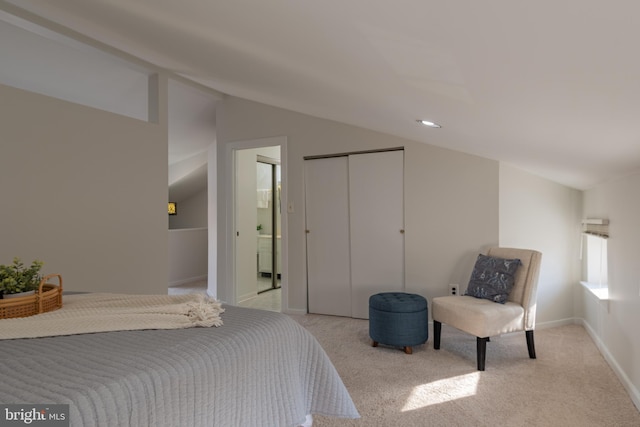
(398, 319)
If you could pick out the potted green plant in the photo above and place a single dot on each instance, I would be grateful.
(17, 279)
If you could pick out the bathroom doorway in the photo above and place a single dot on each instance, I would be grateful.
(258, 237)
(269, 209)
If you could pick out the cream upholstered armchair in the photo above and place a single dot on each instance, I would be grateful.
(479, 315)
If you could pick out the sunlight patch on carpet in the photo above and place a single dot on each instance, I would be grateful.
(442, 391)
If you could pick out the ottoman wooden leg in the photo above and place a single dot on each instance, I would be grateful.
(408, 350)
(374, 344)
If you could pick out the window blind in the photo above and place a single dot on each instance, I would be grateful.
(596, 227)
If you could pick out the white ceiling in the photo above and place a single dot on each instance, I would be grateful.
(548, 86)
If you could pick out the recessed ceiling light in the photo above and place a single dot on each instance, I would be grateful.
(430, 124)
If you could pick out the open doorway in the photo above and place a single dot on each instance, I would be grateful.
(258, 268)
(191, 132)
(268, 184)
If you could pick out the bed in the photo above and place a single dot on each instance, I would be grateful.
(260, 368)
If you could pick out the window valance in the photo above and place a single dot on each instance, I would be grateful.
(596, 227)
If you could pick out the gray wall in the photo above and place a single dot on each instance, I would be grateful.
(85, 191)
(451, 199)
(455, 205)
(614, 323)
(187, 255)
(539, 214)
(192, 212)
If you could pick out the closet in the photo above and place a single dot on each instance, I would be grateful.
(354, 208)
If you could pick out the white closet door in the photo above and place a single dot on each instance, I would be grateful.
(327, 219)
(376, 191)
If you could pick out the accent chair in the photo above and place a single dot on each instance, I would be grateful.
(481, 316)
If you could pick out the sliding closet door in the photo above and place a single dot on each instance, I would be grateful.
(376, 190)
(327, 222)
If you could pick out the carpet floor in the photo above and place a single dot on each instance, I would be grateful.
(569, 384)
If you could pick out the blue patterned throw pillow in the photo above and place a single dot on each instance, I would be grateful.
(492, 278)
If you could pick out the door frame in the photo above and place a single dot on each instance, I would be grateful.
(275, 258)
(230, 227)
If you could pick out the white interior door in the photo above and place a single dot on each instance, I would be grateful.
(327, 219)
(376, 210)
(246, 220)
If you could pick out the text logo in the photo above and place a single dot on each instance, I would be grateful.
(44, 415)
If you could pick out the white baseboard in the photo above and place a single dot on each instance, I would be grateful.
(634, 393)
(556, 323)
(296, 311)
(187, 280)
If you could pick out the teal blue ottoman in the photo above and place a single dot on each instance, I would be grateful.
(398, 319)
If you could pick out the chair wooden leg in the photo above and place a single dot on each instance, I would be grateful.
(374, 344)
(437, 329)
(408, 350)
(482, 351)
(530, 344)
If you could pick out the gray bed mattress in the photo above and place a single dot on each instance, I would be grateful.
(259, 369)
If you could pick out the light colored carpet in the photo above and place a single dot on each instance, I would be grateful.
(569, 384)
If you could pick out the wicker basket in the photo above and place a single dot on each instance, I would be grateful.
(48, 297)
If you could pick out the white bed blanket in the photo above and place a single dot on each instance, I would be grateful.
(91, 313)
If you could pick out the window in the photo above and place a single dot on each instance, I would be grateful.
(594, 257)
(596, 260)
